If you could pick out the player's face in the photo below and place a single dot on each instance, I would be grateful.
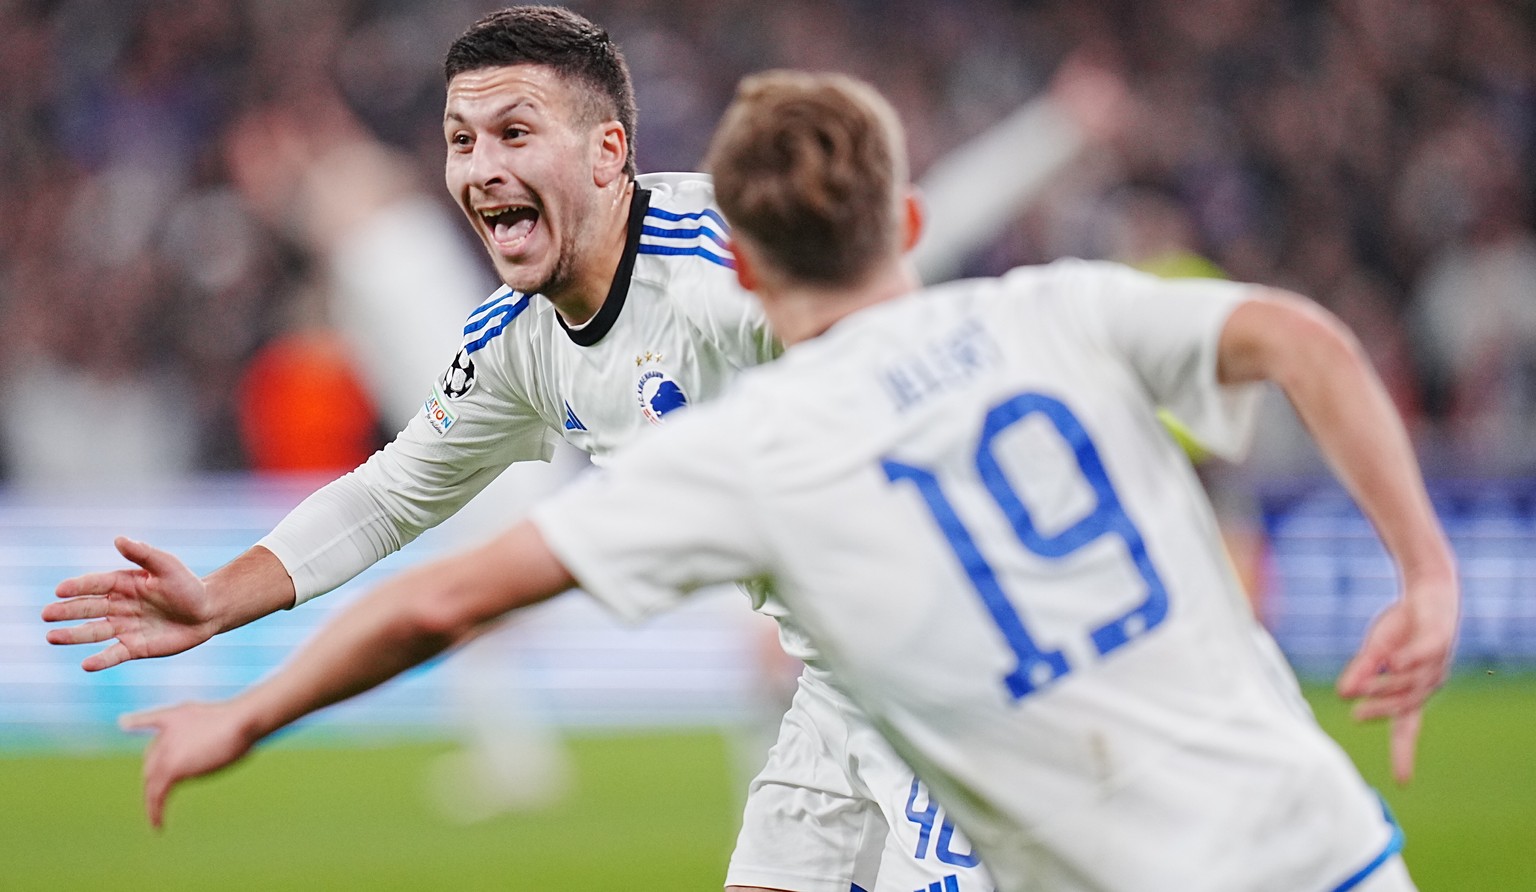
(520, 164)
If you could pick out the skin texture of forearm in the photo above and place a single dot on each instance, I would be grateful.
(1407, 649)
(248, 588)
(369, 643)
(408, 620)
(1324, 374)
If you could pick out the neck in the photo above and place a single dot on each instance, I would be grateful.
(595, 264)
(799, 313)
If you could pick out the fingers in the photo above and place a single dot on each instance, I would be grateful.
(152, 560)
(106, 659)
(1390, 707)
(157, 782)
(1395, 648)
(101, 583)
(143, 720)
(157, 787)
(1425, 678)
(83, 607)
(90, 633)
(1394, 672)
(1366, 666)
(1385, 684)
(87, 633)
(1396, 693)
(157, 562)
(1405, 744)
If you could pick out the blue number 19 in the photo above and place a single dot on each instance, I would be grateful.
(1037, 667)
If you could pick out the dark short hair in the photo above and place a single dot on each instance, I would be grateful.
(809, 168)
(559, 39)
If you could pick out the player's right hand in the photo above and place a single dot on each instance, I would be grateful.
(159, 609)
(191, 740)
(1405, 658)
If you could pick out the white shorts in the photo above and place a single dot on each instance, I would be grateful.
(836, 810)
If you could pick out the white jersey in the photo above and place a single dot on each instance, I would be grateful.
(675, 328)
(966, 497)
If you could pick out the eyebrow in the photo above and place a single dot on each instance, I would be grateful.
(500, 113)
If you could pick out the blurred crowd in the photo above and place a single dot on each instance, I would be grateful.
(176, 177)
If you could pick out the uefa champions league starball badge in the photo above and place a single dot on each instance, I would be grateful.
(460, 377)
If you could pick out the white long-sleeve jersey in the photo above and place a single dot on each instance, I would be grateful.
(675, 328)
(967, 499)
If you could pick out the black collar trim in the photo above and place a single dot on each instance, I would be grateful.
(600, 324)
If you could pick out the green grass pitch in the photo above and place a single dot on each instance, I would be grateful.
(653, 811)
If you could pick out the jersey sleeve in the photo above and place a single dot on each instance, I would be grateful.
(1168, 332)
(671, 514)
(449, 451)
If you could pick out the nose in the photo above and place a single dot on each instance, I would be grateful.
(485, 168)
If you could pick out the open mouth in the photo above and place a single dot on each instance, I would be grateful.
(510, 225)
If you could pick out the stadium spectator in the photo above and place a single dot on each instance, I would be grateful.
(1259, 119)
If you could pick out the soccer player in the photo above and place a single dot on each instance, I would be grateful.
(966, 499)
(621, 305)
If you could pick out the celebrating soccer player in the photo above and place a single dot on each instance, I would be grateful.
(621, 306)
(966, 500)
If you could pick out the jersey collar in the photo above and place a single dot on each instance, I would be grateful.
(608, 313)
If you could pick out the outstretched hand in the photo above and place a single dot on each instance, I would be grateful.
(159, 609)
(1095, 95)
(191, 740)
(1405, 658)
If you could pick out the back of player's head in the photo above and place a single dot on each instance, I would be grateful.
(811, 168)
(552, 36)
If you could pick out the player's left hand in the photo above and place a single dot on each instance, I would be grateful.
(1405, 658)
(156, 610)
(191, 740)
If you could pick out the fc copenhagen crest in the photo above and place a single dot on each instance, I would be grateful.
(658, 392)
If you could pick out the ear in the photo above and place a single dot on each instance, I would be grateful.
(612, 151)
(746, 273)
(912, 221)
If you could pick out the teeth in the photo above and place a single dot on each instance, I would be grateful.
(490, 214)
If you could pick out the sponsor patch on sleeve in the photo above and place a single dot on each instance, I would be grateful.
(439, 415)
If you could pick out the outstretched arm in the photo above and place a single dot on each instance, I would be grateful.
(163, 608)
(973, 192)
(1319, 365)
(405, 621)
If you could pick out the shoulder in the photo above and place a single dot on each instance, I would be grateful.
(1068, 276)
(496, 336)
(684, 253)
(683, 223)
(1066, 287)
(505, 309)
(680, 191)
(1077, 279)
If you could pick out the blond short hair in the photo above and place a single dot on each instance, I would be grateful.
(810, 169)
